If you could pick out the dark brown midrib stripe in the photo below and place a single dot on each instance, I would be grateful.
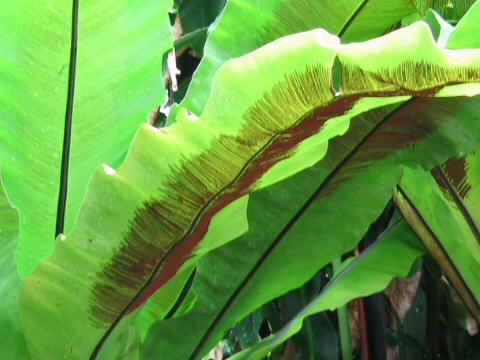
(62, 196)
(441, 176)
(288, 227)
(352, 18)
(190, 230)
(466, 295)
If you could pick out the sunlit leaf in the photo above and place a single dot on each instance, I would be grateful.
(12, 345)
(444, 213)
(268, 20)
(371, 272)
(101, 95)
(271, 115)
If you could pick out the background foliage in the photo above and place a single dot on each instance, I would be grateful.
(293, 175)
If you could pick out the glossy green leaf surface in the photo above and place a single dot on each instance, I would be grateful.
(451, 10)
(110, 86)
(302, 225)
(391, 131)
(141, 223)
(351, 20)
(318, 338)
(195, 17)
(391, 256)
(465, 34)
(445, 214)
(356, 156)
(198, 14)
(12, 345)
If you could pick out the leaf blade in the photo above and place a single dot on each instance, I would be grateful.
(398, 244)
(153, 229)
(34, 92)
(458, 251)
(12, 344)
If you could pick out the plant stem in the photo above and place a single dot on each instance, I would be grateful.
(343, 324)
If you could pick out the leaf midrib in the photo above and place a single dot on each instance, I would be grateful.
(450, 269)
(193, 227)
(458, 201)
(62, 196)
(352, 18)
(289, 226)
